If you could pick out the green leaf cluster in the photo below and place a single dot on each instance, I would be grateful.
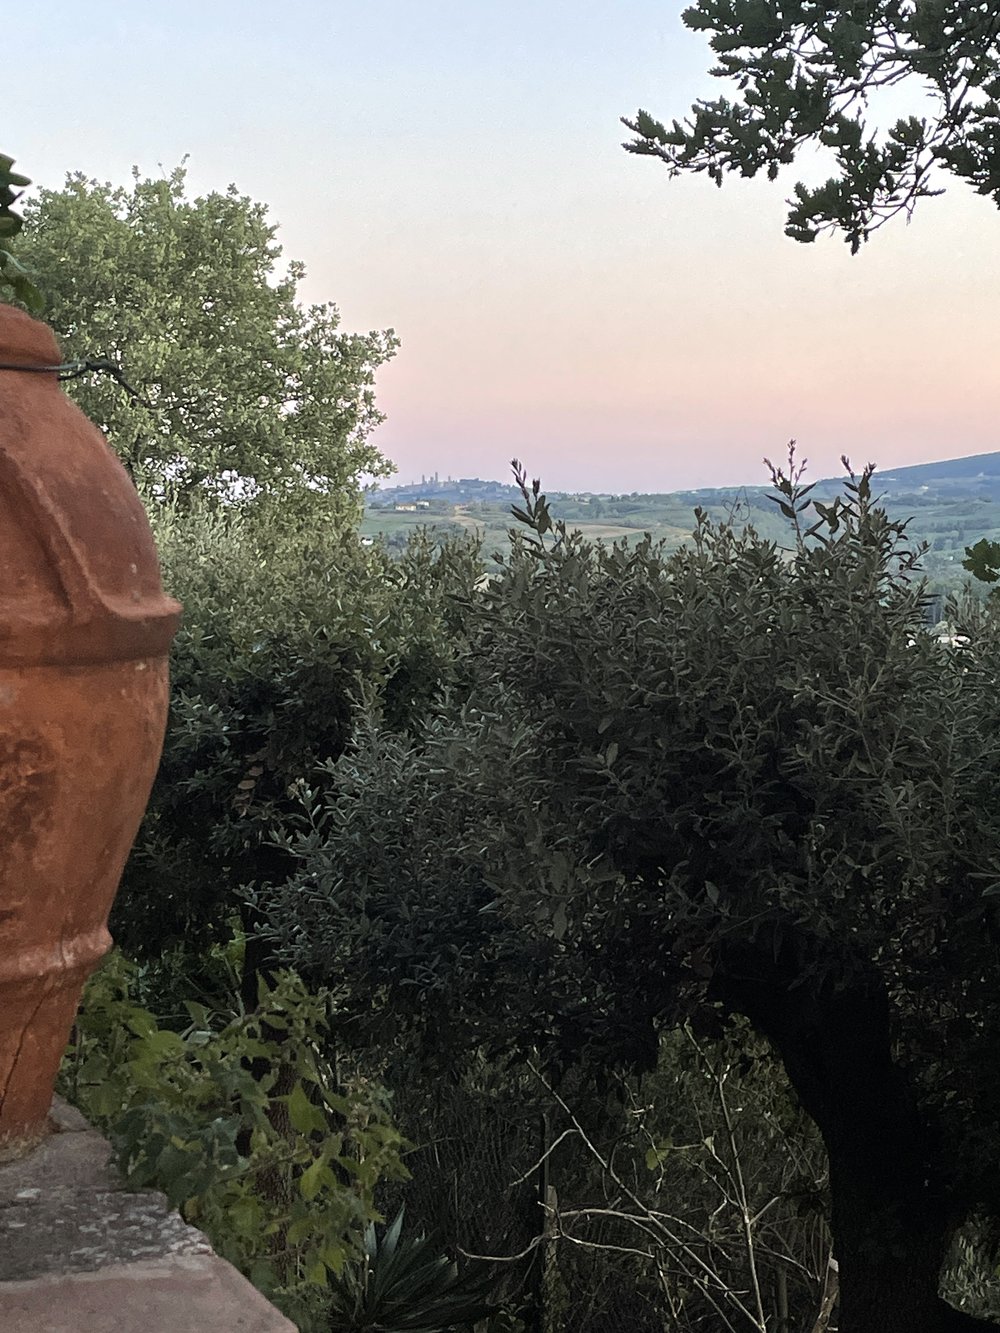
(13, 274)
(983, 561)
(280, 1168)
(405, 1285)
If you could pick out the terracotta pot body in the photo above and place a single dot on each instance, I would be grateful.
(84, 633)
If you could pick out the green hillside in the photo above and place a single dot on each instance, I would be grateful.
(951, 505)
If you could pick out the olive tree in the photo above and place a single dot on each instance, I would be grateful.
(736, 780)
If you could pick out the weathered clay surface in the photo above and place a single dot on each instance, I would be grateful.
(84, 632)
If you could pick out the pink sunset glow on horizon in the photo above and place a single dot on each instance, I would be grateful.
(454, 171)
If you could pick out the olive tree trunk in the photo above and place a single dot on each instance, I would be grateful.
(890, 1218)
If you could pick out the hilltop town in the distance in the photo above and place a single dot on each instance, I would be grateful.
(952, 504)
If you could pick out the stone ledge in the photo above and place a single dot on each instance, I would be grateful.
(82, 1253)
(183, 1294)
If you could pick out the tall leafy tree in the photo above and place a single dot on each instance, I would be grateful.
(733, 780)
(810, 73)
(243, 393)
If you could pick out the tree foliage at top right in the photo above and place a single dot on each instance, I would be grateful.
(811, 72)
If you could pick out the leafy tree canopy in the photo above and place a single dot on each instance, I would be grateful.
(809, 72)
(243, 392)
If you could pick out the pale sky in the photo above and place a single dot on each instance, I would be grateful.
(453, 169)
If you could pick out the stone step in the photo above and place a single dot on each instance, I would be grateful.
(82, 1253)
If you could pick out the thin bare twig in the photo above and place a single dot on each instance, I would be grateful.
(535, 1166)
(651, 1219)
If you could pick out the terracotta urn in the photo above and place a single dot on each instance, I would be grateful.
(84, 632)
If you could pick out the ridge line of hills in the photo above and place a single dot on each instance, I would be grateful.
(975, 474)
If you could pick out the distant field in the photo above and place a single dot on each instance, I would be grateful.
(946, 522)
(494, 525)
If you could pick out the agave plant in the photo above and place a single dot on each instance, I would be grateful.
(406, 1286)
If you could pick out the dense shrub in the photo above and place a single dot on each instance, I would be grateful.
(284, 634)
